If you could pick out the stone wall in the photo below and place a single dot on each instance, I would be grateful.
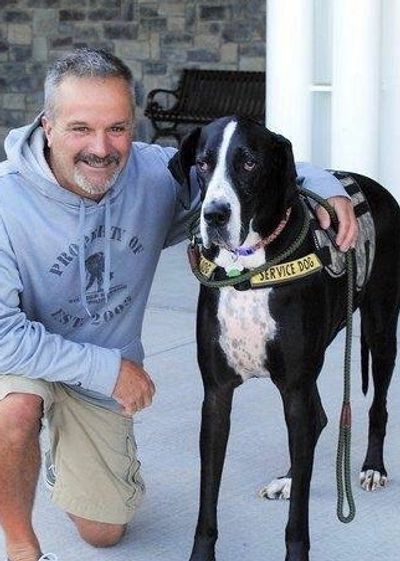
(155, 38)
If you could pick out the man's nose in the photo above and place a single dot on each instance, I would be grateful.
(100, 145)
(217, 213)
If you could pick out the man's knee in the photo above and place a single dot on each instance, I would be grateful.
(98, 534)
(20, 417)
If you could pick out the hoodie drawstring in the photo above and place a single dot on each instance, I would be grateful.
(107, 253)
(82, 269)
(107, 249)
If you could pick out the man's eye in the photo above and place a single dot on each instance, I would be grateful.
(118, 129)
(249, 165)
(80, 129)
(202, 165)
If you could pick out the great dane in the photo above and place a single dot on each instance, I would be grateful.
(252, 212)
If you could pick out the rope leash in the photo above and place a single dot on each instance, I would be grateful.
(343, 459)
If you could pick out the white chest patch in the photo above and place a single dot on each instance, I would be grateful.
(245, 327)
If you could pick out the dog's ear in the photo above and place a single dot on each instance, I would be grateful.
(279, 183)
(283, 169)
(180, 164)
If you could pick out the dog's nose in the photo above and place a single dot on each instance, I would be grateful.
(217, 213)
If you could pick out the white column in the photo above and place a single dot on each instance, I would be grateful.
(390, 106)
(355, 82)
(288, 72)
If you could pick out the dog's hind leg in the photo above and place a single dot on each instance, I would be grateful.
(214, 435)
(280, 487)
(379, 336)
(379, 314)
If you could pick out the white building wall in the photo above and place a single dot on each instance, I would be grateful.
(356, 85)
(333, 83)
(289, 49)
(389, 138)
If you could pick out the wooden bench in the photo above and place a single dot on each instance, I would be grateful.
(205, 95)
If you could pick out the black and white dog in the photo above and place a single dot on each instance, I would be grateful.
(251, 212)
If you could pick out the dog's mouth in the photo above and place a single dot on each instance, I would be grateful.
(218, 237)
(220, 225)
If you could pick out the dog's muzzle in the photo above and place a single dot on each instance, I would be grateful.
(216, 214)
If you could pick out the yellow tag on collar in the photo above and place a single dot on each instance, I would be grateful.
(288, 271)
(206, 267)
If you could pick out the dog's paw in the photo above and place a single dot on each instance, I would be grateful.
(371, 479)
(278, 489)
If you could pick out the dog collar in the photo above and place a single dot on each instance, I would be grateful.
(273, 275)
(213, 276)
(250, 250)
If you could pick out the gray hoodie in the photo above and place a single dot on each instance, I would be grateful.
(75, 273)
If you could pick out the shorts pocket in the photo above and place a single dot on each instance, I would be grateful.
(133, 477)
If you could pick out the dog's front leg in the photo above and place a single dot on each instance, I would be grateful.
(301, 414)
(213, 440)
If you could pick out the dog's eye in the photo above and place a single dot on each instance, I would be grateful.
(249, 165)
(202, 165)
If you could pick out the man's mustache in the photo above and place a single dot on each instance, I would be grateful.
(93, 160)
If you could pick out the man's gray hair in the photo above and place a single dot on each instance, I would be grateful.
(84, 63)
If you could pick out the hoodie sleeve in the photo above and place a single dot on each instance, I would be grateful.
(28, 349)
(319, 181)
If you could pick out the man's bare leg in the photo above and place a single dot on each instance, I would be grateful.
(20, 422)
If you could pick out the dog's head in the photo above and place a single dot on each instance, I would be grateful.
(247, 177)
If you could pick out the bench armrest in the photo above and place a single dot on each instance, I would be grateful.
(169, 99)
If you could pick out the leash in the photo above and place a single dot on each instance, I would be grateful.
(343, 457)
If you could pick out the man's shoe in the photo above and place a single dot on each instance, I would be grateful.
(49, 481)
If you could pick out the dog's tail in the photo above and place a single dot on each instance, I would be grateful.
(364, 363)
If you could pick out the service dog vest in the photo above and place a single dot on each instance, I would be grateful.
(333, 259)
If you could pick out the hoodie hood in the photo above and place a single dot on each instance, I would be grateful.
(24, 148)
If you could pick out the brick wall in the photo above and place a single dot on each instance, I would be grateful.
(156, 39)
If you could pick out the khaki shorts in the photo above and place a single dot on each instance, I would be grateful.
(93, 449)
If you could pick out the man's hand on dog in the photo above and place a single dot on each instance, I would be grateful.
(134, 389)
(348, 226)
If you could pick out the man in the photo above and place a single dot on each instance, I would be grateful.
(84, 215)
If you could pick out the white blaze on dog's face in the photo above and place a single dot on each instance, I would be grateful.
(247, 178)
(220, 220)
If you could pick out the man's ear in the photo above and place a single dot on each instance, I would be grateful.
(180, 164)
(47, 127)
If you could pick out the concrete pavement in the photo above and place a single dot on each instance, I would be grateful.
(167, 434)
